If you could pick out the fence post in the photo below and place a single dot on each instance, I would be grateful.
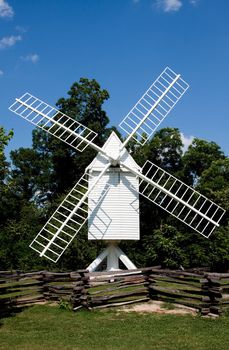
(214, 292)
(79, 296)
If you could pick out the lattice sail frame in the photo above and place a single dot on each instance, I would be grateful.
(53, 121)
(167, 192)
(152, 108)
(66, 222)
(180, 200)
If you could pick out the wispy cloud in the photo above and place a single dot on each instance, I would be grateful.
(9, 41)
(6, 11)
(194, 2)
(186, 140)
(32, 57)
(169, 5)
(21, 29)
(1, 73)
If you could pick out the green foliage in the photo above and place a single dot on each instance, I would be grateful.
(85, 105)
(7, 206)
(165, 150)
(214, 182)
(218, 249)
(168, 306)
(165, 247)
(199, 158)
(16, 236)
(4, 140)
(64, 305)
(30, 174)
(80, 253)
(41, 176)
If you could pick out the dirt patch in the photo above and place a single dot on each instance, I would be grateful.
(161, 308)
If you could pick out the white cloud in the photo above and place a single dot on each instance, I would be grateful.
(9, 41)
(169, 5)
(194, 2)
(32, 57)
(1, 73)
(186, 140)
(21, 29)
(6, 11)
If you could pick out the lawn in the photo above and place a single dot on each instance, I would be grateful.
(51, 328)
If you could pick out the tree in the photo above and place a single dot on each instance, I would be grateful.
(162, 236)
(30, 175)
(4, 139)
(198, 158)
(51, 167)
(7, 205)
(84, 104)
(214, 183)
(218, 248)
(164, 149)
(165, 247)
(41, 177)
(16, 235)
(216, 177)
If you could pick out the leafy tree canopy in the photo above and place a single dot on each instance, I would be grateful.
(4, 139)
(199, 157)
(41, 176)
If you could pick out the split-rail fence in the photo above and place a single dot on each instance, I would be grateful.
(204, 291)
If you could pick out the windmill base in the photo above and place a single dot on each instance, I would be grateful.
(113, 254)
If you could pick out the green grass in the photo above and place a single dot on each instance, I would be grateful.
(50, 328)
(168, 306)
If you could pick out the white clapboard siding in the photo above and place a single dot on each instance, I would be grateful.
(117, 216)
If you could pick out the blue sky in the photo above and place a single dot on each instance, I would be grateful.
(46, 45)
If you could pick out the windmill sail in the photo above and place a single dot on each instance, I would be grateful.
(53, 121)
(152, 108)
(180, 200)
(67, 220)
(163, 189)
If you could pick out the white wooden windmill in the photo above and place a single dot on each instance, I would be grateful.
(108, 192)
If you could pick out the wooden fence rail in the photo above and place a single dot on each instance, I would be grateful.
(207, 292)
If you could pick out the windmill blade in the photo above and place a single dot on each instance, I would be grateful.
(152, 108)
(179, 199)
(53, 121)
(67, 220)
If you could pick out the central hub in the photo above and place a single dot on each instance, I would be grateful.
(115, 163)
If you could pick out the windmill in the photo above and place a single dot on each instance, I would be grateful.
(107, 195)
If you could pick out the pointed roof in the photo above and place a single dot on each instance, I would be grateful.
(112, 147)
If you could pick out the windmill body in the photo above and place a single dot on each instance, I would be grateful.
(107, 195)
(117, 216)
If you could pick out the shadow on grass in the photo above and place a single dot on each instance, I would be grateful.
(10, 310)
